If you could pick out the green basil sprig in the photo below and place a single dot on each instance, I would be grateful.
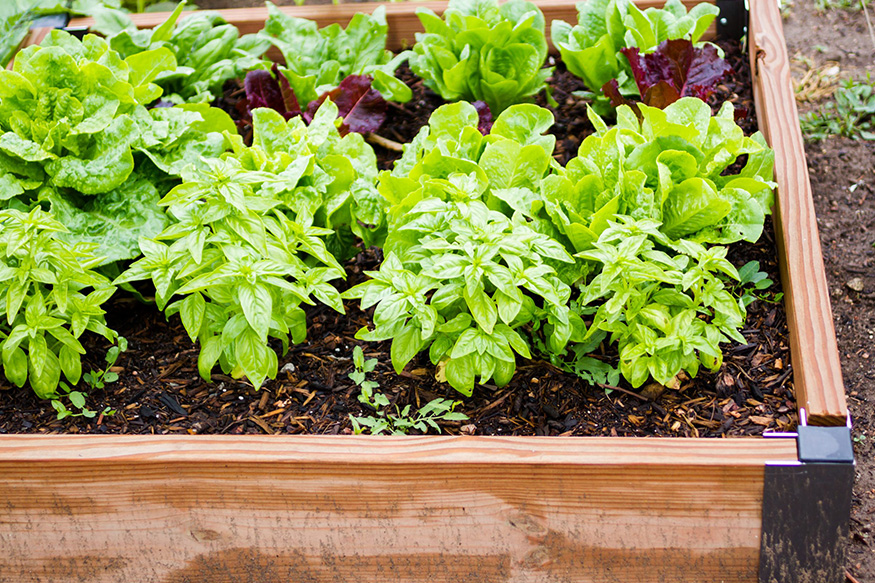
(52, 296)
(245, 249)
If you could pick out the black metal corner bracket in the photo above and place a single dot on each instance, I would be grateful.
(806, 507)
(732, 20)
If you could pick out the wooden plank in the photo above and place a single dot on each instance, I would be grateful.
(400, 16)
(816, 367)
(412, 509)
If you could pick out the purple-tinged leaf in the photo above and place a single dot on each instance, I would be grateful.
(361, 106)
(263, 90)
(485, 121)
(290, 100)
(676, 69)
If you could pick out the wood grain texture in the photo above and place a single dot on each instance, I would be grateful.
(329, 509)
(400, 16)
(816, 367)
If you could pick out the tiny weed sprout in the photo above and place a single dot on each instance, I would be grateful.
(403, 420)
(752, 283)
(98, 379)
(77, 401)
(368, 397)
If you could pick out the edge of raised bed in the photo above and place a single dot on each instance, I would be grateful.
(817, 373)
(329, 509)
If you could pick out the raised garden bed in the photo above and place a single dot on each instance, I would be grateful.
(465, 508)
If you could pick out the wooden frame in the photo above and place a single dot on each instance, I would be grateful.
(326, 509)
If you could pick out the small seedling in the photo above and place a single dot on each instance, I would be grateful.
(98, 379)
(77, 402)
(851, 113)
(752, 280)
(403, 420)
(363, 366)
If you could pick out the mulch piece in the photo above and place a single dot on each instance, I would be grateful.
(159, 390)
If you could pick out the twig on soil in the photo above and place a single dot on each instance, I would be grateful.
(377, 140)
(850, 578)
(613, 388)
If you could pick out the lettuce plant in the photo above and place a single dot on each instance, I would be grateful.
(244, 250)
(208, 51)
(51, 297)
(465, 273)
(669, 166)
(75, 135)
(317, 60)
(591, 49)
(675, 69)
(480, 51)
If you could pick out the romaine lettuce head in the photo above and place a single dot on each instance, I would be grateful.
(670, 166)
(480, 51)
(75, 136)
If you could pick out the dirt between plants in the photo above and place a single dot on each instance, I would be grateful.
(159, 390)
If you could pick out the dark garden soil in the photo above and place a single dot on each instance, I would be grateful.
(159, 390)
(843, 180)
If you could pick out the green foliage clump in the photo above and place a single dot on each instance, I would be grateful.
(208, 51)
(483, 51)
(851, 113)
(75, 136)
(464, 272)
(317, 60)
(493, 248)
(591, 49)
(51, 297)
(640, 206)
(663, 302)
(247, 242)
(670, 167)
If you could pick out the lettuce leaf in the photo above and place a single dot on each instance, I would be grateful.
(483, 51)
(675, 69)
